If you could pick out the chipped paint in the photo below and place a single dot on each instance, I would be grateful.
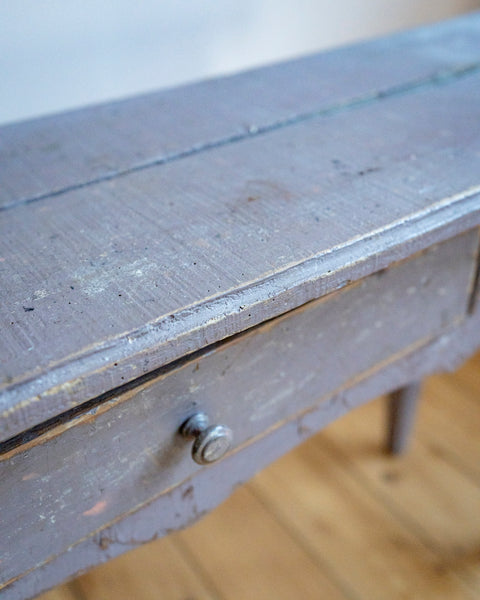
(96, 509)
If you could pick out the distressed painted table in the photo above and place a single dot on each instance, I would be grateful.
(269, 249)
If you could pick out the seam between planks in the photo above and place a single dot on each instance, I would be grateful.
(340, 583)
(397, 513)
(197, 568)
(438, 78)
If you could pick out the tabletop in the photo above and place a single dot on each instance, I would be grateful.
(139, 231)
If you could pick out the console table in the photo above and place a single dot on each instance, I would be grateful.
(211, 274)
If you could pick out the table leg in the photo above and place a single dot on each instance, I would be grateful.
(402, 405)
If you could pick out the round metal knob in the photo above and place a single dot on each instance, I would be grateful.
(211, 442)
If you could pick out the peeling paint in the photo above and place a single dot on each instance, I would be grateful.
(96, 509)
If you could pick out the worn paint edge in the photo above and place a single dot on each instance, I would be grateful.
(440, 77)
(91, 409)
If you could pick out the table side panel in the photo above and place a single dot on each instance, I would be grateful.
(74, 481)
(184, 504)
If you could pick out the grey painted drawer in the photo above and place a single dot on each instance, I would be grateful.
(81, 476)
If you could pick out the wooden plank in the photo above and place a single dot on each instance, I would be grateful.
(463, 417)
(70, 150)
(450, 427)
(338, 514)
(285, 192)
(140, 574)
(435, 488)
(433, 496)
(469, 382)
(251, 555)
(442, 410)
(63, 592)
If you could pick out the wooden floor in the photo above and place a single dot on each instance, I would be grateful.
(335, 519)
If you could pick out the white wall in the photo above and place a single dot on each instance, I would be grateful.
(60, 54)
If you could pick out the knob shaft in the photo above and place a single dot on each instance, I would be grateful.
(211, 442)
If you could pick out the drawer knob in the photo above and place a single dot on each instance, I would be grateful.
(211, 442)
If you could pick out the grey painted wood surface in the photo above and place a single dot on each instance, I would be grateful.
(57, 153)
(122, 251)
(99, 467)
(123, 276)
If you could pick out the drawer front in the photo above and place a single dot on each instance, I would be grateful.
(79, 477)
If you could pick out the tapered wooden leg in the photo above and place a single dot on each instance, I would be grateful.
(402, 405)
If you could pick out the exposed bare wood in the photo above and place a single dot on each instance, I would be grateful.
(421, 487)
(339, 514)
(147, 574)
(442, 410)
(64, 592)
(249, 552)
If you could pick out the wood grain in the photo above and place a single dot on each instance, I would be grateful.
(430, 491)
(347, 518)
(461, 448)
(256, 534)
(172, 575)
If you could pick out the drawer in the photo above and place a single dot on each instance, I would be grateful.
(84, 474)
